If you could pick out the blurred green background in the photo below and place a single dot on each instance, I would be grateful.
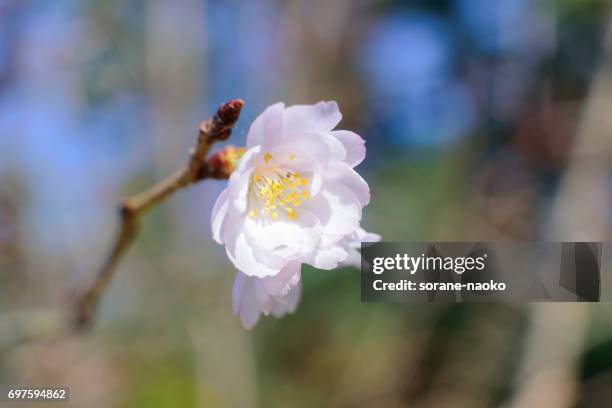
(484, 120)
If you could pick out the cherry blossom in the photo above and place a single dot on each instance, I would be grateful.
(293, 198)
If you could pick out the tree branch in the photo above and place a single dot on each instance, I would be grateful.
(198, 168)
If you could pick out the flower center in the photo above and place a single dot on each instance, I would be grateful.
(277, 191)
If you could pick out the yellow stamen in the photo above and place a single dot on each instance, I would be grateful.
(279, 192)
(291, 214)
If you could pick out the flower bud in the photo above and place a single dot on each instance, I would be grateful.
(224, 162)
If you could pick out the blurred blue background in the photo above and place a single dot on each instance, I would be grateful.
(484, 120)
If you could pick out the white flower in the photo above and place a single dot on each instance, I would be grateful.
(294, 198)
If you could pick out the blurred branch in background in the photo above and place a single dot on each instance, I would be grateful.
(38, 324)
(581, 211)
(439, 377)
(198, 168)
(549, 375)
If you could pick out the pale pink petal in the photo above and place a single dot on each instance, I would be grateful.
(241, 254)
(219, 213)
(267, 129)
(252, 296)
(238, 184)
(238, 291)
(353, 242)
(338, 209)
(352, 260)
(239, 190)
(286, 304)
(362, 235)
(244, 300)
(288, 277)
(353, 144)
(293, 158)
(320, 145)
(249, 159)
(264, 300)
(329, 258)
(343, 174)
(271, 260)
(308, 166)
(283, 237)
(323, 116)
(331, 240)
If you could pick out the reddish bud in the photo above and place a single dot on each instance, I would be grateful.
(225, 161)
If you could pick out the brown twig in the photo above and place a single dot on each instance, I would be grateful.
(198, 168)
